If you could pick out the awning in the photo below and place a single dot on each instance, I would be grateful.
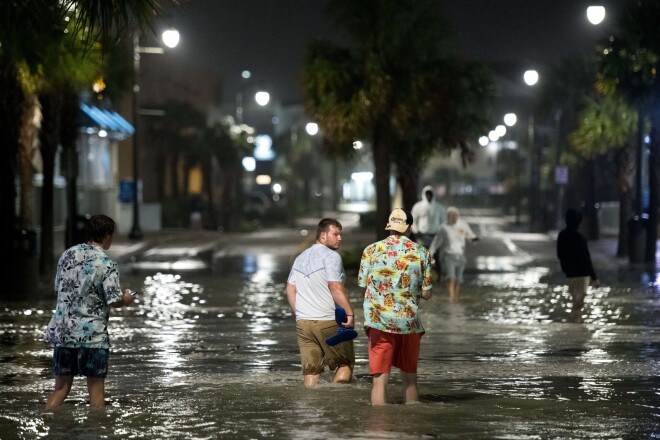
(103, 119)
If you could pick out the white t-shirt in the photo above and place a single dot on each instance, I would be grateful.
(311, 272)
(451, 238)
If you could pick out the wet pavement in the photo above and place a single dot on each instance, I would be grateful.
(209, 349)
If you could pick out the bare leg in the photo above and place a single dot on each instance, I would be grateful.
(452, 289)
(410, 391)
(379, 389)
(343, 374)
(61, 391)
(311, 380)
(96, 390)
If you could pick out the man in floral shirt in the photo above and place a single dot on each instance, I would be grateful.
(396, 273)
(87, 285)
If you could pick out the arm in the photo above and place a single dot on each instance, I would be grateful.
(470, 233)
(438, 241)
(126, 299)
(291, 296)
(339, 296)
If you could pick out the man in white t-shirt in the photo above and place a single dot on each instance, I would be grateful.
(450, 243)
(314, 289)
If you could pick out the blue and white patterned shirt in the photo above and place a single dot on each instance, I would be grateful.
(87, 281)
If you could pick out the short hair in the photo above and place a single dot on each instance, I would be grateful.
(324, 226)
(98, 227)
(573, 218)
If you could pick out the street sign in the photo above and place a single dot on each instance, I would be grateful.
(126, 191)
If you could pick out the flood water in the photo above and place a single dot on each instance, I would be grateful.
(212, 354)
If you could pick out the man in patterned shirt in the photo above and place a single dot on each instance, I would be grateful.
(396, 274)
(87, 285)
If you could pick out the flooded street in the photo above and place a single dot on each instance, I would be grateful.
(211, 353)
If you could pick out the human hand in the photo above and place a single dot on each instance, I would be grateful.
(350, 320)
(129, 296)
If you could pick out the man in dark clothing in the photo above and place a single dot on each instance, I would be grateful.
(575, 259)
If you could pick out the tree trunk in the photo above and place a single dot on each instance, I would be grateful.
(382, 171)
(11, 112)
(68, 137)
(590, 211)
(654, 181)
(28, 134)
(625, 173)
(49, 136)
(408, 178)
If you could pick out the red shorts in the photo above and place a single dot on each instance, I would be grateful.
(393, 349)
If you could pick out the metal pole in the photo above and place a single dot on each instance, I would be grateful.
(136, 232)
(532, 173)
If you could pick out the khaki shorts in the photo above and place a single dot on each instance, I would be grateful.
(577, 287)
(315, 353)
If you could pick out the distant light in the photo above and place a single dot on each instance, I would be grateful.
(483, 141)
(263, 149)
(262, 98)
(249, 164)
(277, 188)
(357, 145)
(262, 179)
(246, 74)
(103, 133)
(510, 119)
(312, 128)
(362, 176)
(531, 77)
(493, 136)
(596, 14)
(500, 130)
(171, 38)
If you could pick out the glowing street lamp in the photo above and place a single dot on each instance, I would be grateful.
(596, 14)
(531, 78)
(171, 39)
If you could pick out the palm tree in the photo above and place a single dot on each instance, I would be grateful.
(28, 31)
(393, 87)
(628, 64)
(607, 123)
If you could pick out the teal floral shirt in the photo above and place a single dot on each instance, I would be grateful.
(394, 272)
(87, 281)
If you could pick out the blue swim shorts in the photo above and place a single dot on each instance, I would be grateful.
(81, 361)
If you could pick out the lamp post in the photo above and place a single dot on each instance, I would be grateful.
(261, 97)
(531, 78)
(171, 39)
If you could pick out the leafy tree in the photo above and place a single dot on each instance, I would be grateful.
(608, 123)
(399, 86)
(628, 64)
(28, 32)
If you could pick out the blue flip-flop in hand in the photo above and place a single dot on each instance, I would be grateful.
(343, 333)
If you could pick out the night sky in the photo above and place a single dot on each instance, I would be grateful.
(269, 37)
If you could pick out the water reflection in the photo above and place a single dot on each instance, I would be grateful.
(213, 354)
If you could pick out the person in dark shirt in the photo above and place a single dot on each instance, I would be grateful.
(575, 260)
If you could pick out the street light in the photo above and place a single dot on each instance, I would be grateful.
(171, 39)
(261, 97)
(531, 78)
(596, 14)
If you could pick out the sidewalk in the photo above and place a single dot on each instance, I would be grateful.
(501, 236)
